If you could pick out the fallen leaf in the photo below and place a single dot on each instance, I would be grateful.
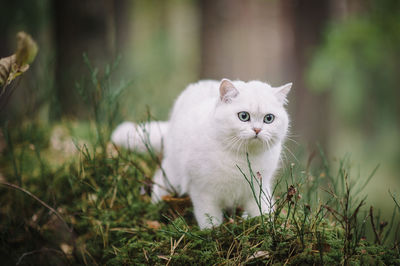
(18, 63)
(26, 49)
(261, 254)
(6, 64)
(153, 225)
(67, 249)
(164, 257)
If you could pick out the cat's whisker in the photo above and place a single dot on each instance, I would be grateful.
(284, 166)
(268, 144)
(239, 148)
(247, 147)
(231, 142)
(281, 164)
(264, 143)
(291, 135)
(291, 153)
(292, 140)
(229, 139)
(228, 145)
(283, 157)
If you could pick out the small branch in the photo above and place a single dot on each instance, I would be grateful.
(39, 200)
(309, 161)
(139, 168)
(42, 250)
(335, 213)
(394, 199)
(371, 215)
(354, 215)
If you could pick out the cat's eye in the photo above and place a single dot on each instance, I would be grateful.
(269, 118)
(244, 116)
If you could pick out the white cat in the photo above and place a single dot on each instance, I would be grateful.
(213, 125)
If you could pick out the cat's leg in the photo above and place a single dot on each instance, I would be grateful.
(254, 208)
(267, 199)
(251, 208)
(166, 181)
(159, 188)
(207, 213)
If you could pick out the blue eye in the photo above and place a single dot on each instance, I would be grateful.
(244, 116)
(269, 118)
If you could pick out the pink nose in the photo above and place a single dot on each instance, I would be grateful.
(257, 130)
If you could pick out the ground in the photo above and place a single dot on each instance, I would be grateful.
(68, 198)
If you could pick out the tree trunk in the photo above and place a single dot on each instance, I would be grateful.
(306, 21)
(81, 27)
(241, 39)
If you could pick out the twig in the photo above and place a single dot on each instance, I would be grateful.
(354, 215)
(139, 168)
(309, 161)
(40, 251)
(39, 200)
(336, 214)
(394, 199)
(371, 215)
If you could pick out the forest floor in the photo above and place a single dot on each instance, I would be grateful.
(68, 196)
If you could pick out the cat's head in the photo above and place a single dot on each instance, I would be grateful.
(251, 116)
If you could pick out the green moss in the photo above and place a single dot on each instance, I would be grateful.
(100, 196)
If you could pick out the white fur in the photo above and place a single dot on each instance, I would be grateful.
(134, 137)
(205, 143)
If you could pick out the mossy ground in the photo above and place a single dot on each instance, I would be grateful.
(102, 212)
(68, 196)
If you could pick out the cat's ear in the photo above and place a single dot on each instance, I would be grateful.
(282, 92)
(227, 91)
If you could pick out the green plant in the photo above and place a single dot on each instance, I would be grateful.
(103, 98)
(93, 207)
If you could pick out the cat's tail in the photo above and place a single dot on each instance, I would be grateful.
(140, 137)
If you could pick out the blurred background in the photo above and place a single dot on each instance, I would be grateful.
(343, 57)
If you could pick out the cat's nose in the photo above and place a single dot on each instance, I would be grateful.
(257, 130)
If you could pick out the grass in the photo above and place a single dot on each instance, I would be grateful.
(93, 208)
(86, 202)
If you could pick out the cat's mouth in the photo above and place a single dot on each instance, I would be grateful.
(256, 138)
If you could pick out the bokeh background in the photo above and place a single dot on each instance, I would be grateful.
(343, 57)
